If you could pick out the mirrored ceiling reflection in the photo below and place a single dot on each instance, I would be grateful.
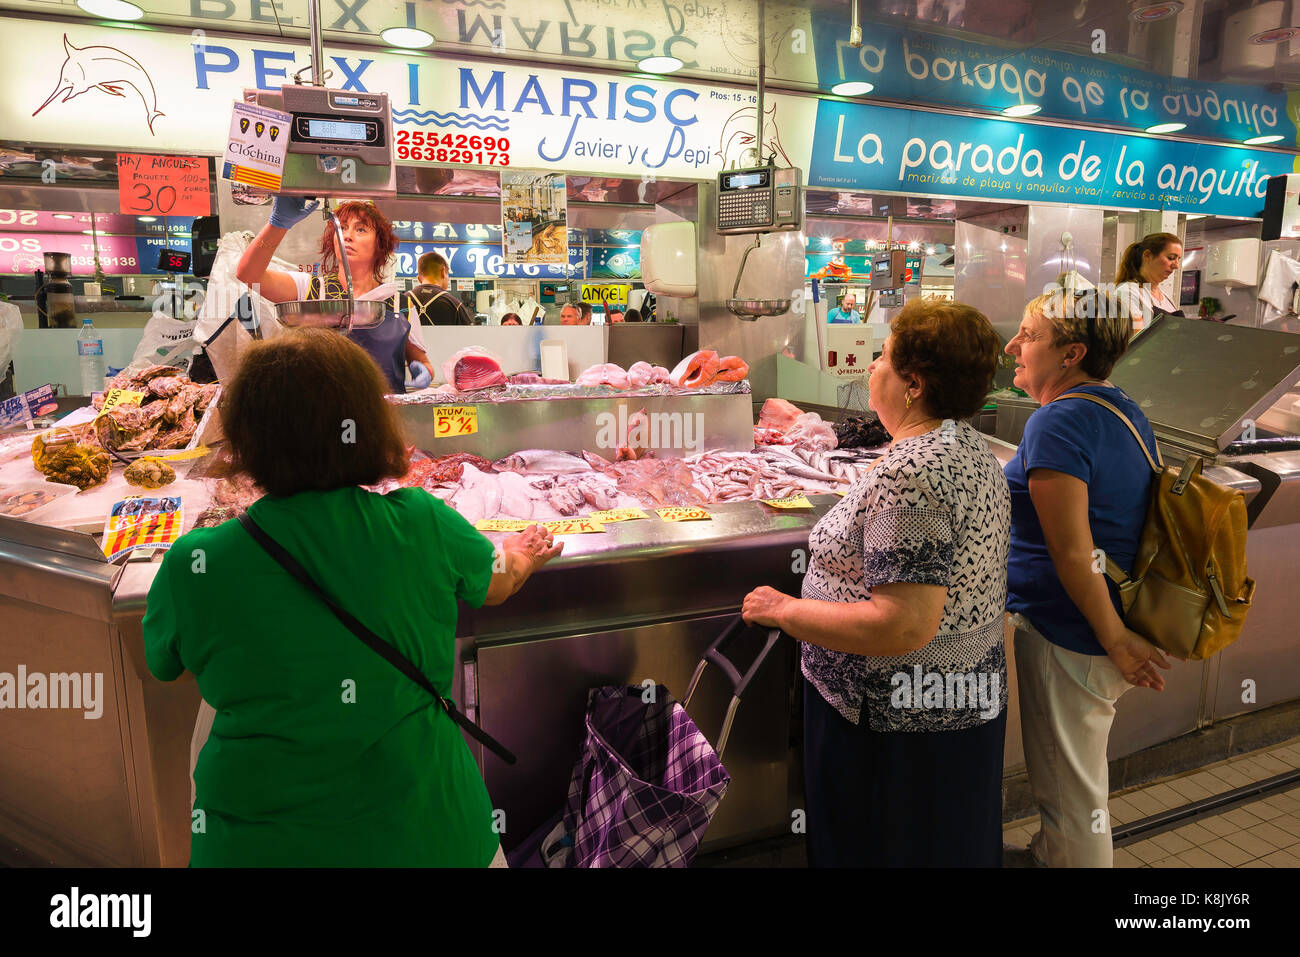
(1220, 68)
(1198, 39)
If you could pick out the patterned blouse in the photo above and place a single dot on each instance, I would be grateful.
(934, 510)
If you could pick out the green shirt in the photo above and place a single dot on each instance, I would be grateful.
(322, 753)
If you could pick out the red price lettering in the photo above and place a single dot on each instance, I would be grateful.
(476, 142)
(417, 137)
(164, 201)
(403, 136)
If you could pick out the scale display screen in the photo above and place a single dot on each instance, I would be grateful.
(171, 261)
(744, 180)
(335, 130)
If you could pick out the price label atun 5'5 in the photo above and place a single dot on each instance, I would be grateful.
(432, 147)
(450, 421)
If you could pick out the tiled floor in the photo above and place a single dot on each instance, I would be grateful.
(1263, 833)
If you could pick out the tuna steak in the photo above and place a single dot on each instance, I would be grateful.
(473, 368)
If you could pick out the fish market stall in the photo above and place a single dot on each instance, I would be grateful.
(637, 595)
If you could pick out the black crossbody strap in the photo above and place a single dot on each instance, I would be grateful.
(372, 641)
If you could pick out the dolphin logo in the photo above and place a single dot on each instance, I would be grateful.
(275, 131)
(260, 128)
(243, 124)
(106, 69)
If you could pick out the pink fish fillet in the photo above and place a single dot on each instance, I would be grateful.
(662, 375)
(606, 373)
(473, 368)
(640, 374)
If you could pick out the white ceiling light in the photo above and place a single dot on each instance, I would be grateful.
(64, 216)
(1261, 140)
(1191, 216)
(1151, 12)
(659, 64)
(852, 88)
(111, 9)
(148, 219)
(408, 38)
(1022, 109)
(914, 247)
(1166, 127)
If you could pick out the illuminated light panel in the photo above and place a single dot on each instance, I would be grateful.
(659, 64)
(111, 9)
(852, 88)
(408, 38)
(1166, 127)
(1022, 109)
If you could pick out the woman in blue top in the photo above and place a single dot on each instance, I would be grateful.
(1079, 486)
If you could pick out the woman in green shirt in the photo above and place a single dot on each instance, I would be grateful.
(322, 753)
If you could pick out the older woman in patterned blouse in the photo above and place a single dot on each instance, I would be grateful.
(901, 618)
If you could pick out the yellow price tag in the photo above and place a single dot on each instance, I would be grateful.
(840, 492)
(195, 453)
(794, 501)
(683, 513)
(116, 397)
(617, 515)
(450, 421)
(573, 526)
(502, 525)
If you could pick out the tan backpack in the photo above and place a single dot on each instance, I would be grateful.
(1188, 592)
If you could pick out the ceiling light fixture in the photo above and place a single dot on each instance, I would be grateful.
(1280, 35)
(659, 64)
(852, 88)
(1261, 140)
(1191, 216)
(1022, 109)
(408, 38)
(111, 9)
(1151, 12)
(1166, 127)
(64, 216)
(148, 219)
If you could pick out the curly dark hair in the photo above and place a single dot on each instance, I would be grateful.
(306, 410)
(385, 238)
(954, 350)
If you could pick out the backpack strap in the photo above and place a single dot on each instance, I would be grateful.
(1157, 468)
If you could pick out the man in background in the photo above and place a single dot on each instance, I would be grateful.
(845, 313)
(431, 301)
(573, 315)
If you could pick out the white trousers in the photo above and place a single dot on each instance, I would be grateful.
(1067, 705)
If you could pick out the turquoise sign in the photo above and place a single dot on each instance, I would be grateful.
(916, 67)
(880, 148)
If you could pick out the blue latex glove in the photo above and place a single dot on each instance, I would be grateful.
(420, 375)
(288, 211)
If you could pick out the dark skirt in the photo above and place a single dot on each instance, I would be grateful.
(898, 798)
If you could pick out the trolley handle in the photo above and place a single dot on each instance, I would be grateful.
(738, 681)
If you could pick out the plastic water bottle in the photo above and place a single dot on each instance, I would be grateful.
(90, 353)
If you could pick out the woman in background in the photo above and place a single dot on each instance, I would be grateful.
(1142, 268)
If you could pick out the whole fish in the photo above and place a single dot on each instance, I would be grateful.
(541, 460)
(107, 69)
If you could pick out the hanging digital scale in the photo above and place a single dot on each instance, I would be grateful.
(761, 199)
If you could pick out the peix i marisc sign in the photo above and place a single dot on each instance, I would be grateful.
(914, 66)
(97, 86)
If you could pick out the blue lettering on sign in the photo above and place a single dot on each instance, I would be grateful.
(262, 73)
(909, 65)
(203, 66)
(352, 78)
(467, 261)
(879, 148)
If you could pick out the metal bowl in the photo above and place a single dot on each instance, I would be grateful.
(330, 313)
(751, 309)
